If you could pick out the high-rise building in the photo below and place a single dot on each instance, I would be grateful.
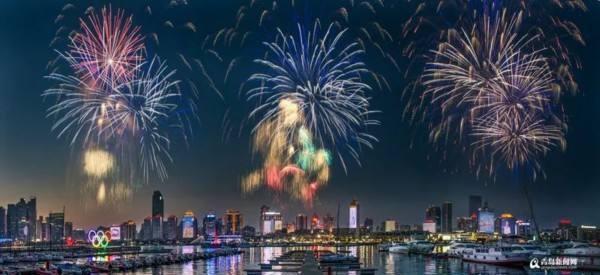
(368, 224)
(447, 217)
(158, 204)
(68, 229)
(261, 221)
(79, 235)
(429, 226)
(315, 222)
(210, 227)
(507, 225)
(170, 228)
(474, 205)
(31, 216)
(248, 231)
(146, 230)
(354, 215)
(189, 226)
(272, 222)
(434, 213)
(301, 222)
(390, 225)
(157, 227)
(11, 221)
(2, 222)
(233, 222)
(128, 231)
(485, 220)
(56, 222)
(39, 229)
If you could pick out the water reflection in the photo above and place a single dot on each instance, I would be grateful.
(369, 256)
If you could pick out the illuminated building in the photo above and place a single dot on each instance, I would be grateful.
(79, 235)
(474, 204)
(390, 225)
(248, 231)
(233, 222)
(301, 222)
(588, 233)
(290, 228)
(157, 227)
(566, 230)
(146, 230)
(464, 224)
(434, 213)
(485, 220)
(2, 222)
(158, 204)
(56, 222)
(328, 223)
(21, 220)
(211, 227)
(189, 226)
(39, 229)
(115, 233)
(170, 228)
(368, 224)
(68, 229)
(523, 228)
(507, 225)
(128, 231)
(315, 222)
(429, 226)
(263, 209)
(354, 215)
(446, 217)
(272, 222)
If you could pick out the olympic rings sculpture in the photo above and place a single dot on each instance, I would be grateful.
(99, 239)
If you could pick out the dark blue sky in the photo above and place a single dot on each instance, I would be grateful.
(398, 178)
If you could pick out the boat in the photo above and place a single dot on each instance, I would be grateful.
(401, 248)
(458, 249)
(534, 251)
(421, 247)
(580, 249)
(384, 247)
(499, 255)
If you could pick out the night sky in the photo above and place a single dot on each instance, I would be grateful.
(398, 179)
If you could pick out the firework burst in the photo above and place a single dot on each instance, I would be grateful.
(322, 77)
(108, 48)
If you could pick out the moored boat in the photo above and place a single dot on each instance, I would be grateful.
(499, 255)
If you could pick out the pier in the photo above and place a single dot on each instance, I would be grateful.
(308, 262)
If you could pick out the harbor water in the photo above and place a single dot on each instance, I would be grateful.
(385, 263)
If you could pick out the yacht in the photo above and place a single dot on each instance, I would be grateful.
(458, 249)
(496, 255)
(400, 248)
(421, 247)
(581, 249)
(531, 249)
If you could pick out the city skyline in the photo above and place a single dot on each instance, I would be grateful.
(398, 179)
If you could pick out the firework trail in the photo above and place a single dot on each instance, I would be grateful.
(322, 76)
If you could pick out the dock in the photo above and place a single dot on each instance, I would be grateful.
(306, 262)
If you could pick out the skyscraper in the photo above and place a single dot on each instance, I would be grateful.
(11, 221)
(474, 205)
(146, 230)
(56, 223)
(261, 221)
(301, 222)
(158, 204)
(447, 217)
(157, 227)
(233, 222)
(128, 231)
(210, 227)
(2, 222)
(170, 228)
(434, 214)
(354, 215)
(189, 226)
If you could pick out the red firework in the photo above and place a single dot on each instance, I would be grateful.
(108, 49)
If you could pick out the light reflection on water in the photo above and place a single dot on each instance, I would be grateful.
(369, 256)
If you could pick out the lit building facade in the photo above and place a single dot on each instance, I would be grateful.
(233, 222)
(446, 221)
(354, 215)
